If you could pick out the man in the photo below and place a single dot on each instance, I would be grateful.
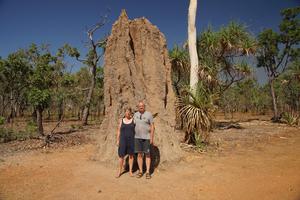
(144, 135)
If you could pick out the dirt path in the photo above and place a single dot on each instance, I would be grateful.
(261, 170)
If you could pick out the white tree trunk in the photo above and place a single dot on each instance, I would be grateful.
(192, 45)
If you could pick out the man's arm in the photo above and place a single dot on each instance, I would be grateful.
(152, 133)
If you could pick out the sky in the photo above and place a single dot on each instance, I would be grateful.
(57, 22)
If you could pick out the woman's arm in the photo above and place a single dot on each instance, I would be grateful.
(119, 132)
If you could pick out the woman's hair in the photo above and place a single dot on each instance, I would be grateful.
(129, 109)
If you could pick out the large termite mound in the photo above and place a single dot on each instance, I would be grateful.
(137, 67)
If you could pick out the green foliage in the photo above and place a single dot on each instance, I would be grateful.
(245, 96)
(2, 120)
(278, 50)
(39, 98)
(287, 87)
(41, 78)
(223, 55)
(222, 62)
(179, 57)
(199, 141)
(196, 113)
(31, 128)
(291, 119)
(67, 49)
(180, 68)
(7, 134)
(14, 80)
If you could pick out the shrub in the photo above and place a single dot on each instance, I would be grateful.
(31, 128)
(6, 135)
(291, 119)
(196, 112)
(2, 120)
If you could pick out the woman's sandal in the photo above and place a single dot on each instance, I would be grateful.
(148, 176)
(139, 175)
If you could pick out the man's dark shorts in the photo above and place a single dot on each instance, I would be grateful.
(142, 146)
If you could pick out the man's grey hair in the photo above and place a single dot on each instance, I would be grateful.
(142, 102)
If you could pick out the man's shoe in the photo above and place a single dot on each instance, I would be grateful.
(148, 176)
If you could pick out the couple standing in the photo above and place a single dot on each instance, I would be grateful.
(135, 135)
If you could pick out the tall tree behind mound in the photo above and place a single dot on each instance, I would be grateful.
(137, 67)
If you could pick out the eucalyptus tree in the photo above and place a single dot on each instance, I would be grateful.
(64, 84)
(14, 73)
(41, 80)
(192, 38)
(287, 88)
(92, 60)
(278, 49)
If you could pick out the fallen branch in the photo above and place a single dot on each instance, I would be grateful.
(50, 137)
(236, 126)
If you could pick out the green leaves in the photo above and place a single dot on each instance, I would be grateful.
(179, 57)
(290, 25)
(67, 49)
(223, 54)
(41, 77)
(196, 112)
(39, 98)
(276, 49)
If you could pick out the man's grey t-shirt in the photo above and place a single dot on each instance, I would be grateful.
(142, 125)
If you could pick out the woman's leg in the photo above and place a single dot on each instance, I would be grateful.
(121, 161)
(130, 164)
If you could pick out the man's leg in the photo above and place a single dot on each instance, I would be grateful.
(148, 158)
(140, 162)
(148, 162)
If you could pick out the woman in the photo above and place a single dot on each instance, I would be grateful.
(125, 141)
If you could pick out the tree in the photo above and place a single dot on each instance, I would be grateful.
(192, 35)
(287, 88)
(180, 68)
(192, 106)
(39, 94)
(221, 56)
(276, 50)
(14, 75)
(63, 85)
(244, 96)
(92, 59)
(224, 55)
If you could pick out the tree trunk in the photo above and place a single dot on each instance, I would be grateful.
(192, 45)
(34, 116)
(39, 114)
(48, 114)
(275, 111)
(11, 115)
(60, 110)
(2, 106)
(21, 110)
(87, 105)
